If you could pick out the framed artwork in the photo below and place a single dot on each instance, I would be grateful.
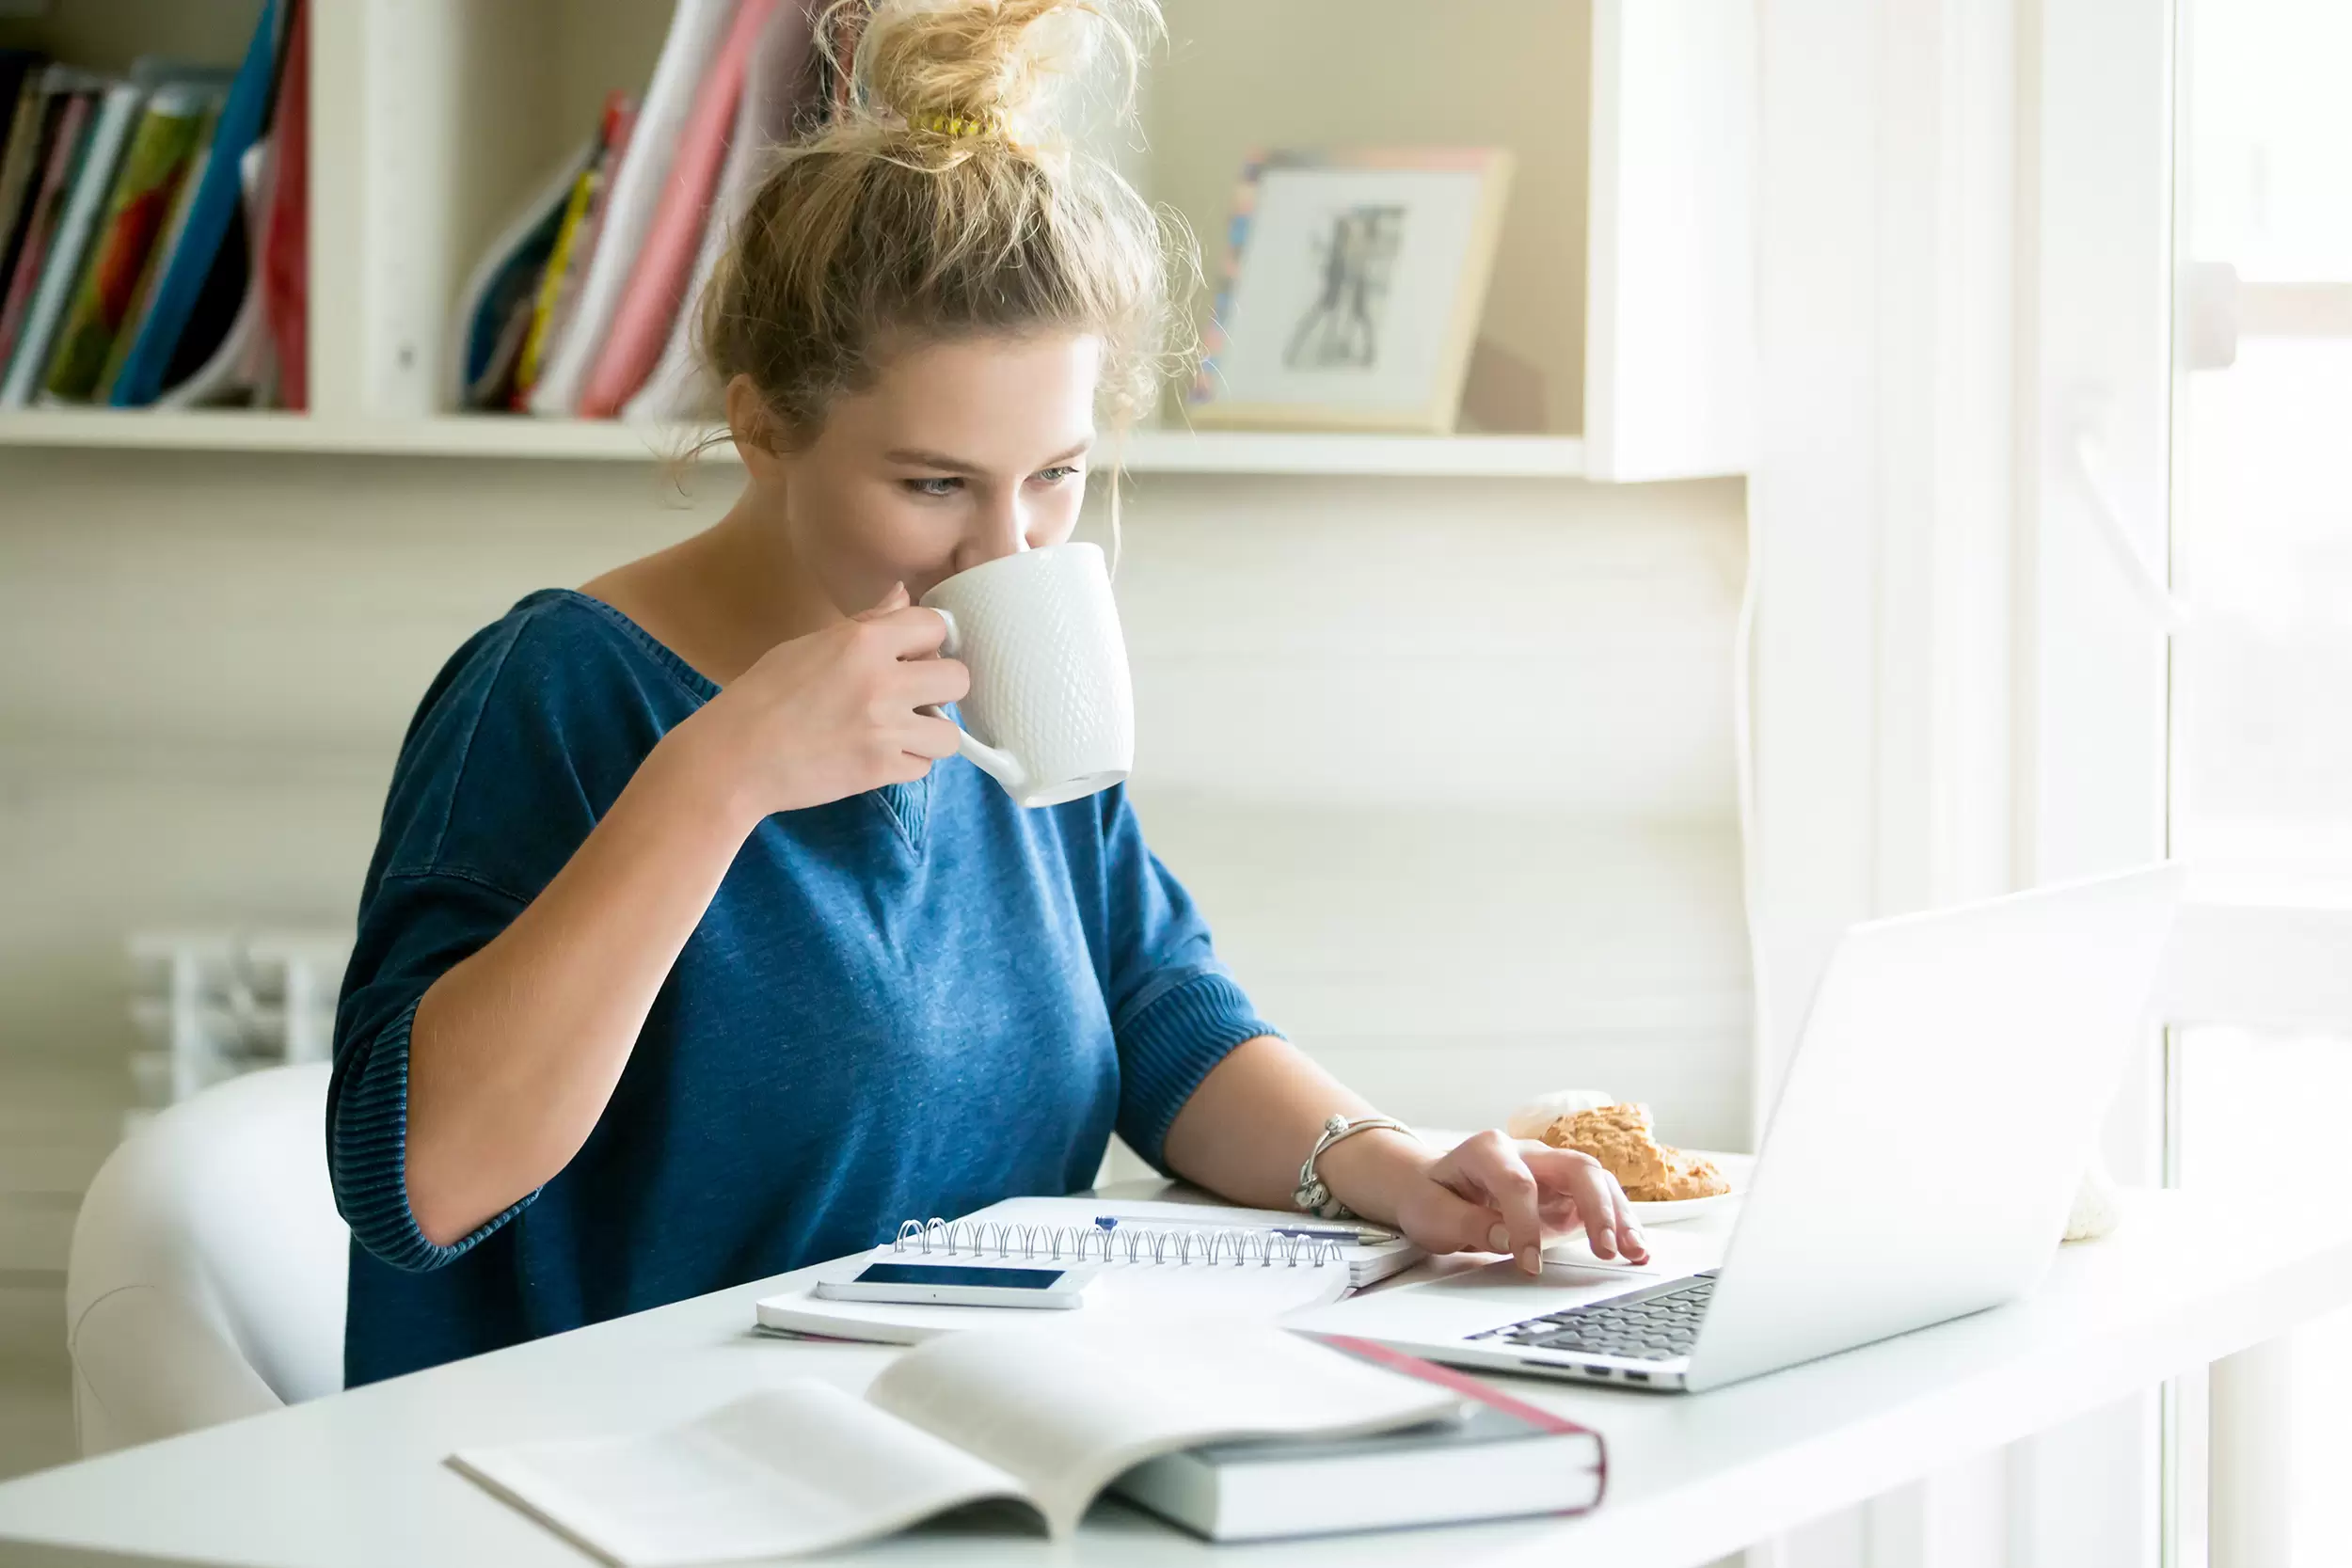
(1351, 289)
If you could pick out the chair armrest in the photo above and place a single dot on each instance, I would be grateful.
(145, 1366)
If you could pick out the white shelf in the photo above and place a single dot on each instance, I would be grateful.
(1169, 451)
(1231, 451)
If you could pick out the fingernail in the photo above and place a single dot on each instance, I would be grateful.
(1602, 1245)
(1499, 1240)
(1531, 1259)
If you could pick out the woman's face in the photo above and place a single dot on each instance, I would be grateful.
(962, 451)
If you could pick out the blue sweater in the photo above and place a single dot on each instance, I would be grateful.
(909, 1002)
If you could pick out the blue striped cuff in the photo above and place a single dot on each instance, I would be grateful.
(1168, 1048)
(367, 1150)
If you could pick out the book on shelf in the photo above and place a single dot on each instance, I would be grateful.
(185, 317)
(649, 297)
(499, 302)
(559, 286)
(698, 28)
(221, 358)
(585, 303)
(73, 95)
(281, 271)
(26, 103)
(780, 88)
(1039, 1422)
(174, 226)
(145, 189)
(101, 149)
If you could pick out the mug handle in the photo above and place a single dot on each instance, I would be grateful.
(1001, 766)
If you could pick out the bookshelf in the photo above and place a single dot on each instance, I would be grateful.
(1618, 314)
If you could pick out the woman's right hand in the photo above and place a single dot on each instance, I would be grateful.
(835, 713)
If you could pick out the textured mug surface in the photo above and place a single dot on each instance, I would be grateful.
(1051, 715)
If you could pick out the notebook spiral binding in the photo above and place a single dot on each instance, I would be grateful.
(1265, 1248)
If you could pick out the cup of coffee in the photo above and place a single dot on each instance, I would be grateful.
(1051, 715)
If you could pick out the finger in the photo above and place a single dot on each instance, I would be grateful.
(1629, 1239)
(895, 600)
(907, 631)
(1559, 1214)
(1497, 1166)
(1581, 1178)
(931, 737)
(928, 682)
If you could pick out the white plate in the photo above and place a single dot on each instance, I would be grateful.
(1685, 1208)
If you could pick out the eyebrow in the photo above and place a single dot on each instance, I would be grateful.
(915, 457)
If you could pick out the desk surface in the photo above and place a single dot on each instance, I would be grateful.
(356, 1480)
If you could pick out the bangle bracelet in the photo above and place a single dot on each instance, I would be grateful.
(1313, 1193)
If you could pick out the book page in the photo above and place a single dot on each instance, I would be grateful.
(1064, 1410)
(797, 1468)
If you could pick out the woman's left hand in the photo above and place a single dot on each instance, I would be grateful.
(1496, 1194)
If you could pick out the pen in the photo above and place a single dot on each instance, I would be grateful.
(1356, 1235)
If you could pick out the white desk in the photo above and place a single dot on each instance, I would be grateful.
(357, 1479)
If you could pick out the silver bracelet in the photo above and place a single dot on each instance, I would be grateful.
(1313, 1193)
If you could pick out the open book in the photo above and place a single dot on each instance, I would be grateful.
(1040, 1418)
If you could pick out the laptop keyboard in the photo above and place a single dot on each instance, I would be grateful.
(1655, 1325)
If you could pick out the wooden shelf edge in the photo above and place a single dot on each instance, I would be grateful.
(1149, 451)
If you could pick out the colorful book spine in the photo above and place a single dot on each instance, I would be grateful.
(649, 300)
(28, 129)
(285, 234)
(782, 89)
(217, 196)
(552, 281)
(144, 191)
(65, 152)
(70, 246)
(159, 256)
(698, 28)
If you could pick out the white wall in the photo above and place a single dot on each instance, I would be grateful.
(1448, 762)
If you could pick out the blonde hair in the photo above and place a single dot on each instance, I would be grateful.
(942, 203)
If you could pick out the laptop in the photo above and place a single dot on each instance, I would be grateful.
(1936, 1118)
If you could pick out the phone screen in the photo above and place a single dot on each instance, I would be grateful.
(960, 1273)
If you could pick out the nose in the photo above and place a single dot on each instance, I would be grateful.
(999, 528)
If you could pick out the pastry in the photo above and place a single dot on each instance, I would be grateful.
(1620, 1138)
(1687, 1176)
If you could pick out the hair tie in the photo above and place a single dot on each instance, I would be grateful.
(958, 124)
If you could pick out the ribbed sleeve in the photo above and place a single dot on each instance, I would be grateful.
(1169, 1045)
(367, 1153)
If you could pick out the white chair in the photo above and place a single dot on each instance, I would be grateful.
(207, 1276)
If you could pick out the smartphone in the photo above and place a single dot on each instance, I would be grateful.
(898, 1279)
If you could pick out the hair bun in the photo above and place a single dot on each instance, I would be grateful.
(996, 67)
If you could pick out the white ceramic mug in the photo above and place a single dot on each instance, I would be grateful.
(1051, 715)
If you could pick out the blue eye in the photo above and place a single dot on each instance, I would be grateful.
(1059, 474)
(937, 486)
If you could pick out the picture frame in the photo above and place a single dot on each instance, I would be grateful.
(1351, 289)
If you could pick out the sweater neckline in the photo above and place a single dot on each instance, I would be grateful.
(701, 685)
(906, 806)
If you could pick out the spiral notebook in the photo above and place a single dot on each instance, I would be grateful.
(1161, 1259)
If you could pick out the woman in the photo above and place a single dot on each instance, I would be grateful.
(690, 953)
